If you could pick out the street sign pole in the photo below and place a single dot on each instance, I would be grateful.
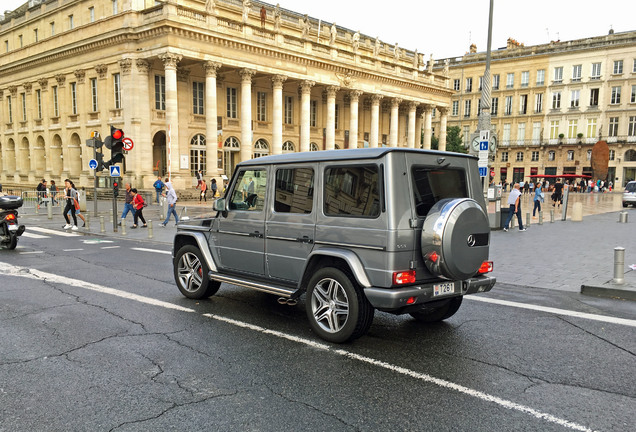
(95, 185)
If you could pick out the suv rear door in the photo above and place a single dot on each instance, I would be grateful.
(241, 235)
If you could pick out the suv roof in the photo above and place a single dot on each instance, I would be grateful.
(339, 155)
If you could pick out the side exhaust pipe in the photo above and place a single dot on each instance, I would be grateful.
(287, 301)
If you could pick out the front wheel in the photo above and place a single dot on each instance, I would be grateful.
(437, 311)
(337, 309)
(191, 274)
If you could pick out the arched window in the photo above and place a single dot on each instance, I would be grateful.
(630, 156)
(231, 147)
(261, 148)
(197, 154)
(288, 147)
(232, 144)
(313, 147)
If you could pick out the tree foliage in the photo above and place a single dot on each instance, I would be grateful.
(453, 141)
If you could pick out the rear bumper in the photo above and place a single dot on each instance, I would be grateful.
(392, 299)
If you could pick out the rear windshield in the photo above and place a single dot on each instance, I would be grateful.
(433, 184)
(631, 187)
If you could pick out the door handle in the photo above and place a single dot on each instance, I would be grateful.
(256, 234)
(304, 239)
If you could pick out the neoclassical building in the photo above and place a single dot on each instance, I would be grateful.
(199, 85)
(551, 103)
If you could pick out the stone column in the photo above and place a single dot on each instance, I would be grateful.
(442, 128)
(393, 131)
(375, 120)
(61, 103)
(246, 113)
(136, 110)
(305, 98)
(277, 114)
(428, 111)
(410, 140)
(419, 121)
(211, 145)
(354, 95)
(170, 61)
(330, 135)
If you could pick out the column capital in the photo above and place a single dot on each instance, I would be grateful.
(395, 102)
(43, 82)
(332, 91)
(246, 75)
(211, 68)
(79, 75)
(143, 65)
(60, 78)
(428, 108)
(278, 80)
(355, 95)
(413, 106)
(125, 65)
(442, 110)
(306, 85)
(170, 60)
(101, 70)
(376, 98)
(27, 87)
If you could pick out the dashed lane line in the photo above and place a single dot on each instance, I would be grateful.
(152, 250)
(485, 397)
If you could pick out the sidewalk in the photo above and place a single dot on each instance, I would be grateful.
(563, 255)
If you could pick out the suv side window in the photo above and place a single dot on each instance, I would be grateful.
(433, 184)
(249, 190)
(352, 191)
(294, 190)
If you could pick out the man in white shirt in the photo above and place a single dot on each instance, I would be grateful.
(514, 201)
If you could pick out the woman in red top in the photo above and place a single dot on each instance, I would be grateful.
(138, 205)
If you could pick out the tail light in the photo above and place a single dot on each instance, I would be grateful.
(486, 267)
(404, 277)
(10, 217)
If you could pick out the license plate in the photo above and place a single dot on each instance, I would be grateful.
(13, 227)
(442, 289)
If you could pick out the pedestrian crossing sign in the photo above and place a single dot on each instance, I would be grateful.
(114, 171)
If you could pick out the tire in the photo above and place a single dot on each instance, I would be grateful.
(191, 274)
(624, 204)
(13, 243)
(337, 309)
(438, 311)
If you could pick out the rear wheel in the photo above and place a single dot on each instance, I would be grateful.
(191, 274)
(624, 204)
(13, 243)
(438, 311)
(337, 309)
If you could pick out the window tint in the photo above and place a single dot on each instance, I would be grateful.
(352, 191)
(249, 190)
(432, 184)
(294, 190)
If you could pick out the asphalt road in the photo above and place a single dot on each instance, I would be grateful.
(94, 335)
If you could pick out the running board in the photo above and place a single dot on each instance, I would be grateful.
(270, 289)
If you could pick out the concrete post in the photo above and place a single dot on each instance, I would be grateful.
(577, 212)
(551, 215)
(123, 226)
(619, 265)
(149, 229)
(540, 218)
(622, 217)
(102, 227)
(88, 221)
(527, 219)
(49, 211)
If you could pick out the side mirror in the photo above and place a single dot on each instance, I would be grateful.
(219, 205)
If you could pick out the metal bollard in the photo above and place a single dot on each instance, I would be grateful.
(149, 229)
(88, 221)
(622, 217)
(37, 208)
(123, 226)
(619, 265)
(49, 210)
(102, 227)
(551, 215)
(527, 219)
(540, 218)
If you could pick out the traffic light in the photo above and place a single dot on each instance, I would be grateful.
(116, 146)
(116, 188)
(99, 157)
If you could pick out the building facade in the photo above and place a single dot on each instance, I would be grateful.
(198, 85)
(551, 103)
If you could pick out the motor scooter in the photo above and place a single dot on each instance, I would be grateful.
(10, 230)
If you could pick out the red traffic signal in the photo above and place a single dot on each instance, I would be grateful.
(117, 134)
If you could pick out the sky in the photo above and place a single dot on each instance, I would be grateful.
(446, 28)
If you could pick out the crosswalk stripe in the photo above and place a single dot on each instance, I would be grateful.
(50, 231)
(34, 236)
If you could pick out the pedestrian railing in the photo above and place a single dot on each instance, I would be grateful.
(33, 200)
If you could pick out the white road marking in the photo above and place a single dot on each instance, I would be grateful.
(31, 252)
(37, 274)
(152, 250)
(556, 311)
(34, 236)
(109, 247)
(71, 250)
(50, 231)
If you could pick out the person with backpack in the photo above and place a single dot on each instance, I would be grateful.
(204, 191)
(69, 196)
(76, 206)
(138, 204)
(213, 187)
(158, 185)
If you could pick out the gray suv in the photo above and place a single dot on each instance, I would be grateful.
(393, 229)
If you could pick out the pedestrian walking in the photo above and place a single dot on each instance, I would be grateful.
(526, 188)
(171, 198)
(76, 206)
(41, 192)
(213, 187)
(199, 175)
(531, 188)
(514, 203)
(69, 194)
(158, 185)
(557, 195)
(538, 199)
(204, 192)
(53, 189)
(128, 206)
(138, 204)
